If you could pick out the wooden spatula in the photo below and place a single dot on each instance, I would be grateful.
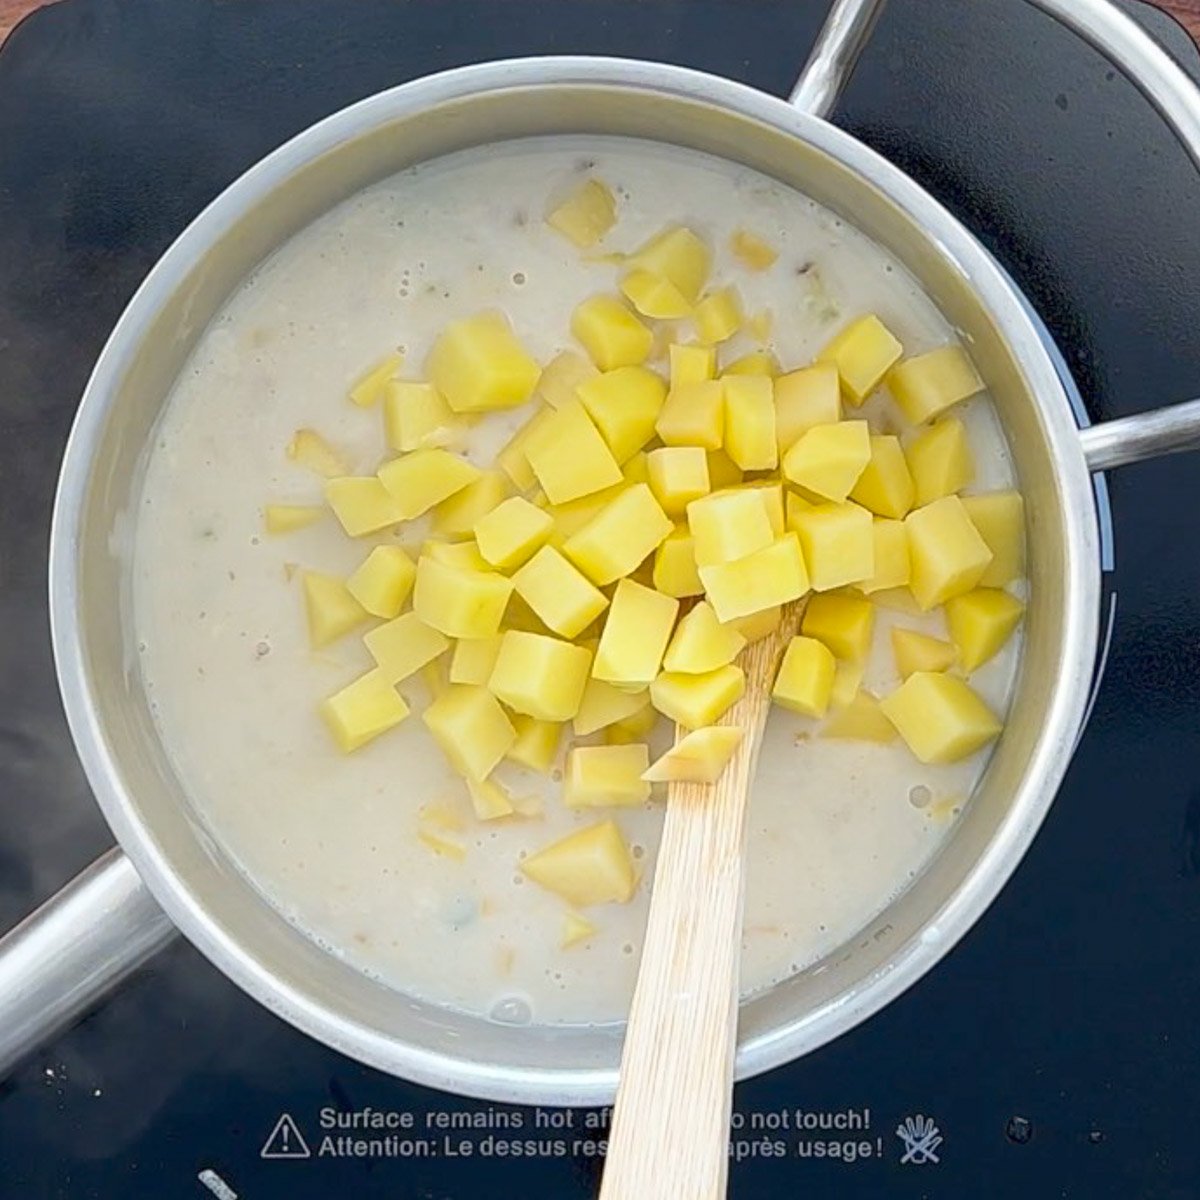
(670, 1127)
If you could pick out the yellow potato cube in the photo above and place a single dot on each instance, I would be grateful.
(586, 215)
(771, 495)
(718, 316)
(311, 450)
(383, 581)
(693, 415)
(863, 353)
(575, 929)
(675, 571)
(654, 296)
(464, 555)
(606, 776)
(698, 757)
(611, 334)
(773, 575)
(750, 422)
(678, 255)
(478, 365)
(695, 701)
(415, 416)
(433, 676)
(456, 517)
(861, 720)
(458, 602)
(757, 362)
(569, 456)
(919, 652)
(886, 485)
(939, 717)
(940, 460)
(512, 459)
(562, 375)
(838, 541)
(691, 363)
(829, 459)
(758, 625)
(401, 647)
(846, 681)
(624, 404)
(592, 866)
(678, 475)
(603, 705)
(635, 635)
(624, 533)
(929, 384)
(287, 518)
(540, 676)
(805, 680)
(842, 622)
(980, 623)
(563, 598)
(723, 472)
(511, 532)
(805, 399)
(637, 469)
(489, 800)
(369, 389)
(754, 252)
(536, 746)
(796, 504)
(363, 710)
(729, 525)
(701, 643)
(633, 728)
(419, 480)
(948, 556)
(571, 517)
(332, 611)
(893, 568)
(473, 659)
(471, 728)
(362, 504)
(444, 847)
(999, 518)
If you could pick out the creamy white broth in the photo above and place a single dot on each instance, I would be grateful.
(330, 839)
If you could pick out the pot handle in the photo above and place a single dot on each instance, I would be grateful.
(1146, 435)
(69, 952)
(835, 54)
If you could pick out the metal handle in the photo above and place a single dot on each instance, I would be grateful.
(1147, 435)
(67, 954)
(841, 41)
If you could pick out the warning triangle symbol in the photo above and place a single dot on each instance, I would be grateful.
(285, 1141)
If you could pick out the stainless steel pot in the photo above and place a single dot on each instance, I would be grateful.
(123, 908)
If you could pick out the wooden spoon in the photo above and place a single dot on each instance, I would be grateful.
(670, 1127)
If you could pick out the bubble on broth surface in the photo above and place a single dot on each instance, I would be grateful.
(512, 1010)
(919, 796)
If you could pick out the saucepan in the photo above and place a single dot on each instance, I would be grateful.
(170, 873)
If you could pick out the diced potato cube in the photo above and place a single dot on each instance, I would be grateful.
(842, 622)
(575, 929)
(611, 334)
(693, 415)
(536, 746)
(287, 518)
(540, 676)
(369, 389)
(624, 403)
(624, 533)
(419, 480)
(805, 399)
(698, 757)
(771, 494)
(464, 555)
(886, 485)
(939, 717)
(1000, 519)
(829, 459)
(460, 603)
(678, 475)
(564, 599)
(796, 504)
(758, 625)
(701, 643)
(383, 581)
(718, 316)
(332, 611)
(980, 623)
(362, 504)
(479, 365)
(728, 525)
(433, 676)
(691, 363)
(861, 720)
(415, 416)
(675, 571)
(634, 728)
(846, 681)
(750, 422)
(603, 705)
(695, 701)
(562, 375)
(757, 362)
(756, 253)
(940, 460)
(489, 800)
(456, 516)
(586, 215)
(679, 255)
(401, 647)
(606, 776)
(919, 652)
(805, 680)
(511, 532)
(571, 517)
(363, 710)
(444, 847)
(893, 568)
(838, 541)
(569, 455)
(771, 576)
(948, 556)
(635, 635)
(592, 866)
(471, 728)
(654, 296)
(311, 450)
(512, 459)
(473, 660)
(931, 383)
(723, 472)
(863, 353)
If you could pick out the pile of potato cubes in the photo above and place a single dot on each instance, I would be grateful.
(642, 527)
